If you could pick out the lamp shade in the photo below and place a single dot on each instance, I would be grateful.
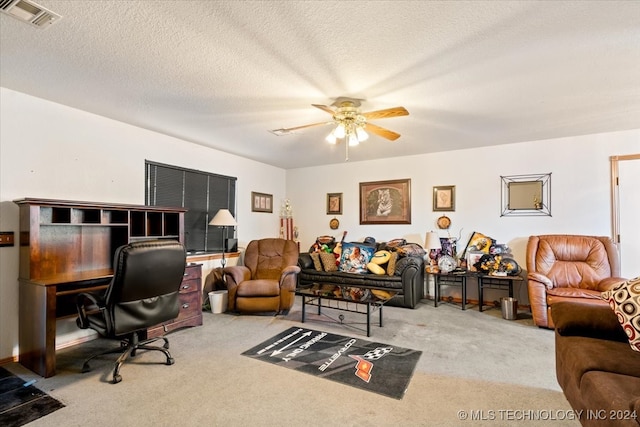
(432, 241)
(223, 219)
(361, 134)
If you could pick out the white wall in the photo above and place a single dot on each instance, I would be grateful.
(580, 192)
(51, 151)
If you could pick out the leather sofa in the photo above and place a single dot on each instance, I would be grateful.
(569, 268)
(598, 371)
(408, 283)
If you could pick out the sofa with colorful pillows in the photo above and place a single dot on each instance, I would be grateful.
(395, 266)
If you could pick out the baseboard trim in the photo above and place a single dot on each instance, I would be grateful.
(457, 300)
(77, 341)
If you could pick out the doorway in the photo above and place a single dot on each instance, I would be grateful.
(625, 205)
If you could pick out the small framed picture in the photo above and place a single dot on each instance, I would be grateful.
(261, 202)
(334, 203)
(444, 198)
(472, 258)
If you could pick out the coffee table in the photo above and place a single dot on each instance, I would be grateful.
(353, 299)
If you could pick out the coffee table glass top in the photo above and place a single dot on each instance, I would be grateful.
(347, 293)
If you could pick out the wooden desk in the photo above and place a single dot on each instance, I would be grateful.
(41, 303)
(67, 247)
(52, 299)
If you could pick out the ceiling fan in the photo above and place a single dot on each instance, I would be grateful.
(350, 124)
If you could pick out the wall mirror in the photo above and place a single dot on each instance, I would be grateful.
(526, 195)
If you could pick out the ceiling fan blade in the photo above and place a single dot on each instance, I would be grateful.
(324, 108)
(385, 114)
(385, 133)
(285, 131)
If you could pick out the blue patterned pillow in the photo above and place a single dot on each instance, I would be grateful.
(355, 257)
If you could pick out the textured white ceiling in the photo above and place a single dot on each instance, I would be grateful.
(222, 73)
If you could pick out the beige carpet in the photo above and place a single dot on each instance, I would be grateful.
(474, 364)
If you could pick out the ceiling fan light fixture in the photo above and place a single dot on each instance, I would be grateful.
(361, 134)
(348, 122)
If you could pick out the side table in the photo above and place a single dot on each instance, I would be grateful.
(495, 282)
(453, 279)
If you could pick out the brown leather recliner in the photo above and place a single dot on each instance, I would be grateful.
(569, 268)
(267, 280)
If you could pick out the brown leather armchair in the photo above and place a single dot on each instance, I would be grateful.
(267, 280)
(569, 268)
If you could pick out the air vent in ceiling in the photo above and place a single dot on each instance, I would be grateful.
(29, 12)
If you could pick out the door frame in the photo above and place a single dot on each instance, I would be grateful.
(615, 194)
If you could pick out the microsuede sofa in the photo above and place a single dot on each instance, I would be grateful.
(407, 278)
(596, 367)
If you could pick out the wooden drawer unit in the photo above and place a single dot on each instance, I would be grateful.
(190, 303)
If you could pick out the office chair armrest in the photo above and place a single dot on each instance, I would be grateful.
(86, 300)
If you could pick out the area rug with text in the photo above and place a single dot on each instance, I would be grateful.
(380, 368)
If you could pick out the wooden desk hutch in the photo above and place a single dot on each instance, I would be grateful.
(67, 247)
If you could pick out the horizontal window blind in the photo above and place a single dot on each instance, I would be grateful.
(202, 193)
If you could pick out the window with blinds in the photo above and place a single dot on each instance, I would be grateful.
(202, 193)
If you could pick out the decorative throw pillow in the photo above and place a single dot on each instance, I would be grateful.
(328, 261)
(624, 300)
(412, 249)
(381, 257)
(355, 257)
(315, 257)
(391, 265)
(375, 268)
(394, 244)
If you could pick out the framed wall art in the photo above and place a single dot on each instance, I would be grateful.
(334, 203)
(478, 242)
(526, 195)
(444, 198)
(385, 202)
(261, 202)
(472, 258)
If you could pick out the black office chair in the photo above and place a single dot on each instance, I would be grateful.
(143, 293)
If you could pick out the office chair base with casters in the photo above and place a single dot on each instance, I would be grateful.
(129, 347)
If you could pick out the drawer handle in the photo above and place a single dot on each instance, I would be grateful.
(185, 305)
(185, 286)
(185, 274)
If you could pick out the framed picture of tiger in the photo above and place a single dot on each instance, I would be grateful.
(385, 202)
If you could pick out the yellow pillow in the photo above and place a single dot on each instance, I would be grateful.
(375, 268)
(380, 294)
(381, 257)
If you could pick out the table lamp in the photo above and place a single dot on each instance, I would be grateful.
(432, 242)
(223, 219)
